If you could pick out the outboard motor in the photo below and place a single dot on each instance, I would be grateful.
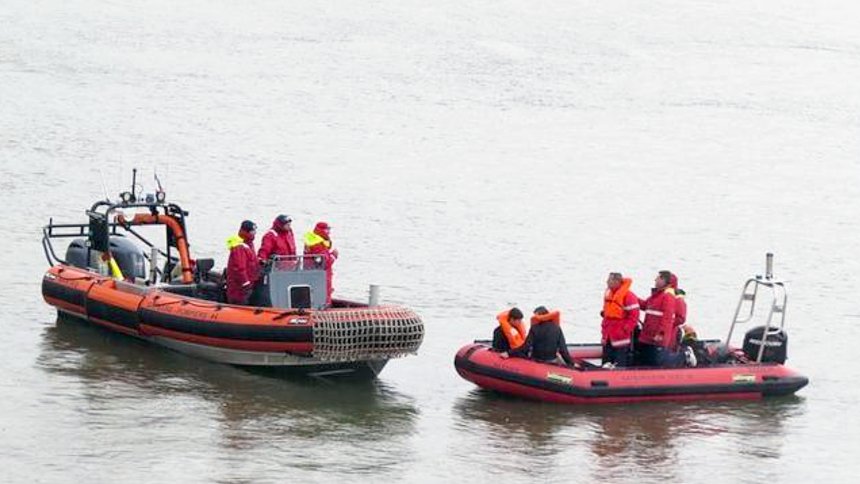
(776, 346)
(127, 254)
(76, 254)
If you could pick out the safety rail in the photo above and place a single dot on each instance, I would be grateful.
(779, 300)
(295, 263)
(366, 334)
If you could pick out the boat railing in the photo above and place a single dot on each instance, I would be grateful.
(297, 263)
(745, 310)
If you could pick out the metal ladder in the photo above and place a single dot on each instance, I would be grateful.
(779, 299)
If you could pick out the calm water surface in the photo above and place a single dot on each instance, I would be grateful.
(469, 156)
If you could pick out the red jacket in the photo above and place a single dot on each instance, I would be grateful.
(680, 309)
(242, 268)
(317, 243)
(279, 240)
(619, 320)
(680, 303)
(659, 326)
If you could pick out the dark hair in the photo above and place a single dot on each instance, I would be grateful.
(515, 313)
(666, 276)
(541, 310)
(248, 226)
(616, 275)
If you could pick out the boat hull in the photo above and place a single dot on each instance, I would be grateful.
(350, 342)
(267, 363)
(554, 383)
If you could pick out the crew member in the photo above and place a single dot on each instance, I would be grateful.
(279, 240)
(680, 302)
(510, 333)
(657, 340)
(242, 266)
(545, 342)
(620, 317)
(318, 244)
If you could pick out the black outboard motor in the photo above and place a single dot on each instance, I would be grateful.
(127, 254)
(776, 346)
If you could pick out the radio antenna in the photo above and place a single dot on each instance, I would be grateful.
(104, 186)
(133, 183)
(160, 188)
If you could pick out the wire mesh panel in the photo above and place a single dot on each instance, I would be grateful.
(366, 334)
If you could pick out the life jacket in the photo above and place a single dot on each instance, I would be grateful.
(613, 302)
(515, 333)
(234, 241)
(551, 317)
(312, 239)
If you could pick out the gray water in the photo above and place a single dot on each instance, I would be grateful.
(469, 155)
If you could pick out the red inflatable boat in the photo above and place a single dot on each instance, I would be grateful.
(754, 371)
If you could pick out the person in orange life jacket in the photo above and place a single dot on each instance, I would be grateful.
(545, 342)
(620, 317)
(657, 341)
(510, 332)
(279, 240)
(318, 245)
(242, 266)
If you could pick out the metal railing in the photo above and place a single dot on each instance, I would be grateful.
(750, 293)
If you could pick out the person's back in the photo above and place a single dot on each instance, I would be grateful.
(545, 342)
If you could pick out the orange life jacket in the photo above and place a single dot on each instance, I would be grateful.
(515, 333)
(552, 317)
(613, 302)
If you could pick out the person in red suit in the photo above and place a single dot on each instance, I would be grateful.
(657, 341)
(243, 270)
(620, 317)
(318, 245)
(279, 240)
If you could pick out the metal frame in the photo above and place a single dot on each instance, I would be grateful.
(779, 300)
(102, 210)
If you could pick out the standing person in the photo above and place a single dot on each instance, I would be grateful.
(545, 342)
(680, 302)
(510, 333)
(318, 243)
(620, 317)
(657, 341)
(242, 266)
(279, 240)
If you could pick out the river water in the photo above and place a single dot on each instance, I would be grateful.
(469, 155)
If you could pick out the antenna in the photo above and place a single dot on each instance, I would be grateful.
(160, 188)
(133, 183)
(768, 274)
(160, 196)
(104, 186)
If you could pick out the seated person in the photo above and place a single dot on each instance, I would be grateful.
(545, 342)
(510, 333)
